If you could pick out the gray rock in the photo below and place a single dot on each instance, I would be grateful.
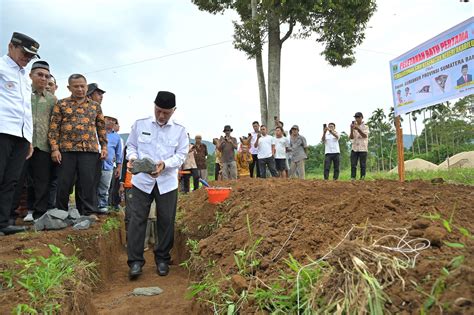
(2, 234)
(149, 291)
(74, 214)
(145, 165)
(48, 222)
(83, 225)
(59, 214)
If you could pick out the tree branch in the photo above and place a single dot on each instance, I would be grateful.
(288, 34)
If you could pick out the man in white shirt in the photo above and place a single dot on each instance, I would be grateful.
(360, 145)
(266, 152)
(331, 150)
(16, 122)
(253, 150)
(281, 148)
(165, 142)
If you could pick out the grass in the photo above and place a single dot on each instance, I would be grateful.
(44, 279)
(457, 175)
(110, 224)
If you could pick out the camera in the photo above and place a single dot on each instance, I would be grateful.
(324, 126)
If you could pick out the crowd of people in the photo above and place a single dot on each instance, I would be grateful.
(57, 147)
(263, 153)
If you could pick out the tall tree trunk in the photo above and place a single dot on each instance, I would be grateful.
(426, 131)
(431, 129)
(417, 140)
(381, 150)
(411, 136)
(262, 88)
(391, 152)
(274, 56)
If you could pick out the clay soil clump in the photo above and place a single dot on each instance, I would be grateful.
(393, 231)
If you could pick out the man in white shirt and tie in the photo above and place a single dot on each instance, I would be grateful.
(331, 150)
(165, 142)
(16, 122)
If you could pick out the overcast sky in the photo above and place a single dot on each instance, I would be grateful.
(110, 40)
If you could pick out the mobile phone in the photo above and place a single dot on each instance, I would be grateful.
(324, 126)
(353, 122)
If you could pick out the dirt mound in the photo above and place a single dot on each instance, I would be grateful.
(460, 160)
(417, 165)
(111, 292)
(245, 243)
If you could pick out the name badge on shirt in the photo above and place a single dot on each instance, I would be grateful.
(146, 133)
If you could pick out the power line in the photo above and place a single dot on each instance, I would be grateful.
(158, 57)
(188, 51)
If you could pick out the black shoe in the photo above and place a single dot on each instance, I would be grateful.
(135, 271)
(12, 229)
(162, 268)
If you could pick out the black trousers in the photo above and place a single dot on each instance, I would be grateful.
(355, 157)
(334, 158)
(254, 165)
(53, 184)
(24, 186)
(217, 170)
(114, 196)
(78, 189)
(262, 165)
(37, 170)
(187, 178)
(13, 154)
(84, 166)
(138, 206)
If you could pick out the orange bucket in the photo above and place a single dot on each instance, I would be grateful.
(218, 194)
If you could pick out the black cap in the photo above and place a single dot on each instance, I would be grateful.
(358, 114)
(29, 44)
(166, 100)
(91, 87)
(228, 128)
(40, 65)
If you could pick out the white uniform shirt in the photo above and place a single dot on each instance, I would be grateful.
(280, 147)
(168, 143)
(253, 149)
(15, 100)
(331, 145)
(265, 146)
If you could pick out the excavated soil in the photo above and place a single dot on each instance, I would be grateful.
(111, 293)
(303, 218)
(308, 218)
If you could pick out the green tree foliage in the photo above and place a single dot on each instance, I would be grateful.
(338, 25)
(448, 130)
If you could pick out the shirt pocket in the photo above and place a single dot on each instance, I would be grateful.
(170, 147)
(144, 138)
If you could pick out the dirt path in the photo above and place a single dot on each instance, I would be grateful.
(116, 298)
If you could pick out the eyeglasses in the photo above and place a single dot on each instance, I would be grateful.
(43, 75)
(26, 54)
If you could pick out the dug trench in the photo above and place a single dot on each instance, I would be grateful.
(232, 255)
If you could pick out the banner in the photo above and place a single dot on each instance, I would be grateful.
(436, 71)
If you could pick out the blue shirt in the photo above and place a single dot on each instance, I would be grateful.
(114, 151)
(15, 100)
(168, 143)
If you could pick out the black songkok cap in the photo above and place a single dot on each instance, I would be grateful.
(165, 100)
